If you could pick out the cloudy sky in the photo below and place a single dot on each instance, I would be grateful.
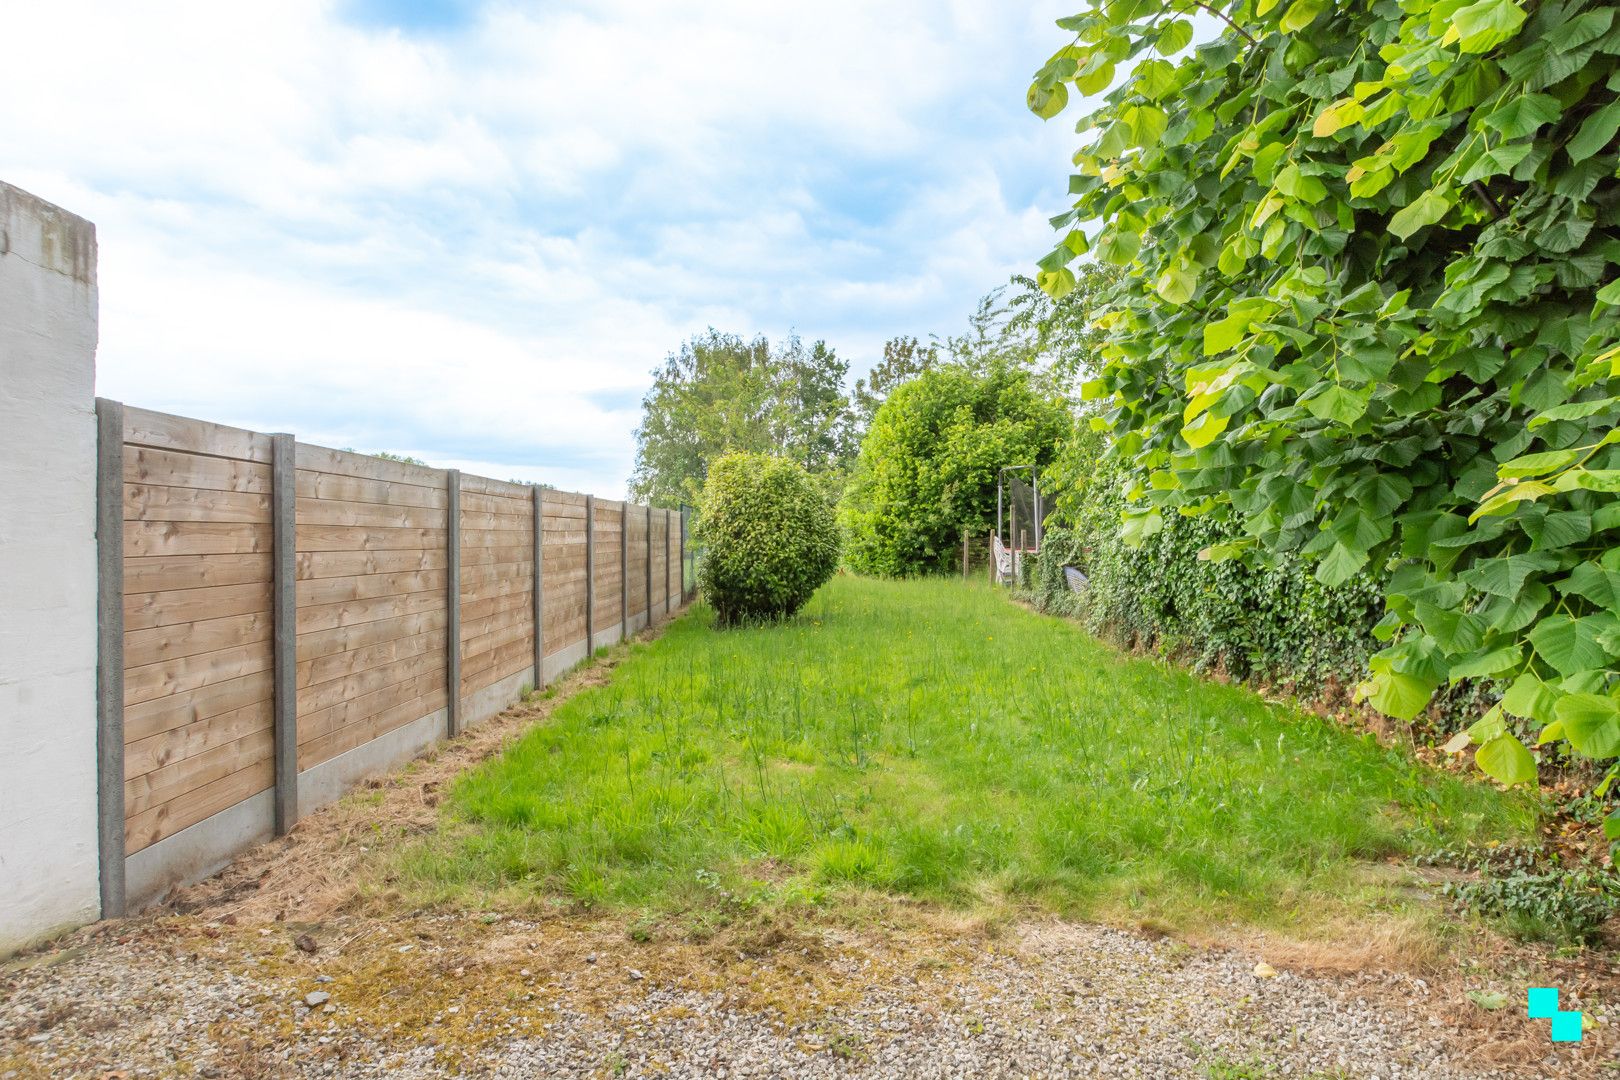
(469, 231)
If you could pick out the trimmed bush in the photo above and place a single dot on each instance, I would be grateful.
(768, 536)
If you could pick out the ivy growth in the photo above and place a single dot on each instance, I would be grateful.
(1369, 319)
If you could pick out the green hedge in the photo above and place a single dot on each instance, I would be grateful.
(768, 536)
(1276, 624)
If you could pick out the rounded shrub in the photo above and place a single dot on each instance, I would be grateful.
(768, 536)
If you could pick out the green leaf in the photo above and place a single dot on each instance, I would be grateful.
(1496, 161)
(1423, 211)
(1339, 565)
(1487, 727)
(1505, 500)
(1497, 661)
(1504, 758)
(1338, 404)
(1482, 26)
(1155, 78)
(1176, 285)
(1047, 102)
(1570, 645)
(1591, 723)
(1202, 431)
(1531, 698)
(1224, 334)
(1595, 132)
(1524, 115)
(1118, 246)
(1611, 826)
(1300, 14)
(1538, 464)
(1174, 37)
(1400, 695)
(1506, 576)
(1595, 583)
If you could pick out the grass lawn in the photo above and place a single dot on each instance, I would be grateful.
(930, 739)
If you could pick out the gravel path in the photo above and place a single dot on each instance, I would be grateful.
(436, 995)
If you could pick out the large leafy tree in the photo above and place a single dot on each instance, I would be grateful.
(1368, 314)
(928, 464)
(903, 358)
(723, 393)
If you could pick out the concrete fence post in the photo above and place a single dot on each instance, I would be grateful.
(624, 570)
(110, 653)
(685, 588)
(649, 564)
(452, 643)
(284, 625)
(539, 589)
(590, 574)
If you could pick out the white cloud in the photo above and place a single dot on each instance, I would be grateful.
(474, 244)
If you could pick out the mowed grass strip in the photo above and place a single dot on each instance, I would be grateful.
(930, 739)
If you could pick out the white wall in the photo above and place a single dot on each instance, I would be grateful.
(48, 868)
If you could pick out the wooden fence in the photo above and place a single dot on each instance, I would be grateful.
(280, 620)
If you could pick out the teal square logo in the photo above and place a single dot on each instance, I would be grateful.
(1541, 1003)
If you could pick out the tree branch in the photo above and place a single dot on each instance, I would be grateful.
(1252, 40)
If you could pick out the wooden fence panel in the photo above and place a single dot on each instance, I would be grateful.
(609, 521)
(371, 580)
(635, 520)
(563, 569)
(196, 610)
(497, 581)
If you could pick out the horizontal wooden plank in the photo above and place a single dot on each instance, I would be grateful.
(147, 828)
(336, 742)
(156, 573)
(521, 524)
(316, 723)
(484, 485)
(143, 538)
(555, 498)
(322, 669)
(328, 512)
(168, 783)
(496, 639)
(312, 699)
(143, 427)
(347, 463)
(336, 590)
(142, 647)
(496, 555)
(187, 673)
(472, 502)
(148, 718)
(480, 574)
(319, 617)
(473, 629)
(342, 639)
(313, 565)
(473, 614)
(148, 609)
(175, 468)
(363, 538)
(319, 485)
(493, 666)
(167, 747)
(143, 502)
